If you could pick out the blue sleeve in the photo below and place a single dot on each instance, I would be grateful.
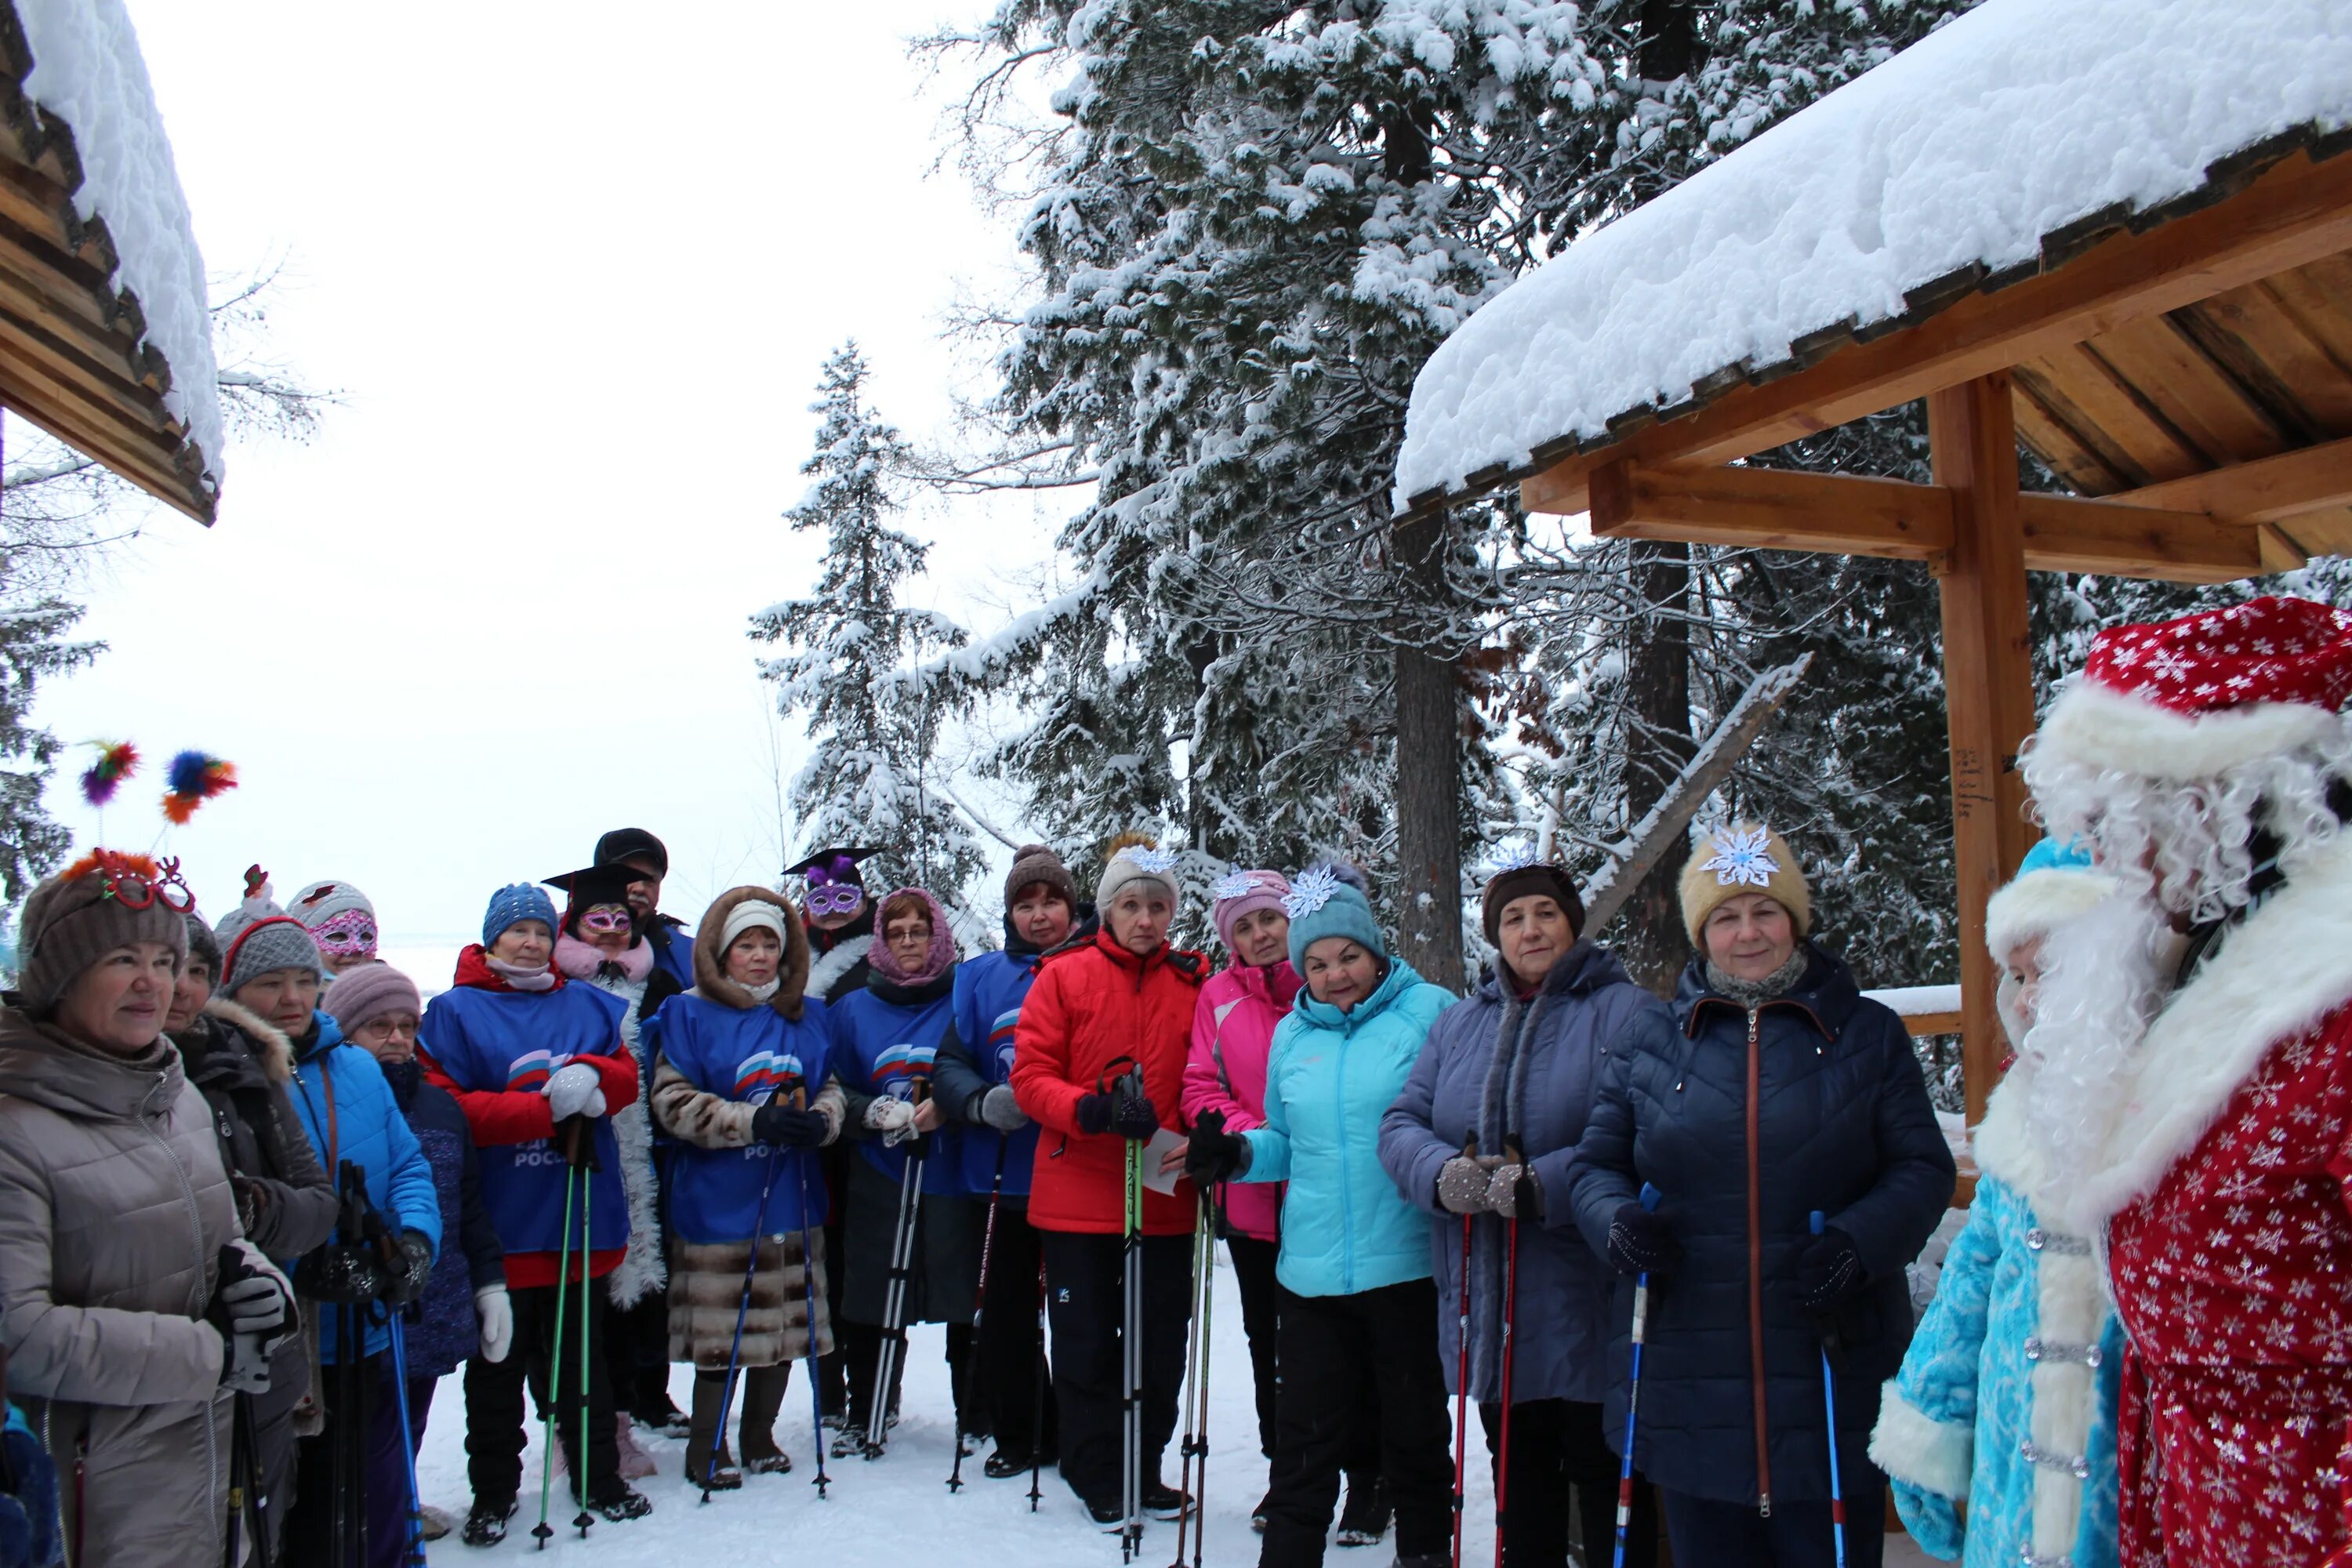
(1411, 1152)
(1269, 1145)
(1916, 1174)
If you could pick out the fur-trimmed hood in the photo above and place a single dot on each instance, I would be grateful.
(710, 970)
(2285, 969)
(2039, 902)
(271, 1048)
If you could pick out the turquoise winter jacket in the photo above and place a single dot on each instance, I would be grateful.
(1330, 1076)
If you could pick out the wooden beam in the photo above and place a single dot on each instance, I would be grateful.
(1768, 508)
(2065, 534)
(2268, 490)
(1987, 687)
(2296, 212)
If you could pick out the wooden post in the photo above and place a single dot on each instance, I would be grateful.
(1988, 686)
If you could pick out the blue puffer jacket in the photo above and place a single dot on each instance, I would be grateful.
(1330, 1078)
(1461, 1089)
(1844, 1125)
(365, 1128)
(1954, 1424)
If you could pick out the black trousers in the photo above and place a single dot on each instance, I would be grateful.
(362, 1413)
(1347, 1363)
(1798, 1535)
(1011, 1354)
(833, 1370)
(861, 1354)
(1254, 1272)
(636, 1347)
(1086, 1304)
(495, 1434)
(1557, 1445)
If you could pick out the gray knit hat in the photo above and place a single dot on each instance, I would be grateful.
(1033, 863)
(201, 948)
(257, 938)
(73, 920)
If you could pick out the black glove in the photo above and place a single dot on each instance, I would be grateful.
(411, 1264)
(1132, 1117)
(786, 1127)
(1214, 1154)
(1094, 1112)
(1642, 1241)
(340, 1271)
(1829, 1271)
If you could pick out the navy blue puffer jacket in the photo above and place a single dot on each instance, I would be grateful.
(1842, 1124)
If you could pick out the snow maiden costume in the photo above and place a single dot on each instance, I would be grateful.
(2206, 760)
(2012, 1374)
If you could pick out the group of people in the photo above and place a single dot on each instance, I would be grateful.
(257, 1195)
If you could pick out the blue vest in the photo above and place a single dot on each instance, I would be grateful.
(881, 1047)
(753, 1055)
(988, 991)
(514, 1040)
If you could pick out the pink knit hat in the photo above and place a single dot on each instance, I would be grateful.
(1238, 892)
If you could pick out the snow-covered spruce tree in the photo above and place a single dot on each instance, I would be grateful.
(33, 644)
(873, 776)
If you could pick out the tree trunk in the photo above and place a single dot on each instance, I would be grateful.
(1659, 743)
(1429, 773)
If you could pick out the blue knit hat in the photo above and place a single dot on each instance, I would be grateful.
(512, 904)
(1321, 904)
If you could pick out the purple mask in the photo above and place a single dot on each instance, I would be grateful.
(830, 890)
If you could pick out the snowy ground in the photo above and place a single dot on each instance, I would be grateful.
(889, 1513)
(895, 1509)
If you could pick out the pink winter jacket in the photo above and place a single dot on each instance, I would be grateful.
(1232, 1032)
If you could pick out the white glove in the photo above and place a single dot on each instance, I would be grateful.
(572, 1090)
(497, 1314)
(893, 1119)
(258, 1300)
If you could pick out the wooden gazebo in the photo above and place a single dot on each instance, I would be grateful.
(2184, 364)
(102, 316)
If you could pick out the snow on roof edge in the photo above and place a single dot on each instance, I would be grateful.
(1970, 159)
(88, 72)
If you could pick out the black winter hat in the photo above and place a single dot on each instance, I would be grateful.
(1521, 881)
(632, 843)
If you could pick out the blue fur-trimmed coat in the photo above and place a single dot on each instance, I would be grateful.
(1955, 1422)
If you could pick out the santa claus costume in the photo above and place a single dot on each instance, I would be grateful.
(2206, 761)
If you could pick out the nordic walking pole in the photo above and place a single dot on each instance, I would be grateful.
(1037, 1393)
(541, 1531)
(808, 1285)
(1633, 1394)
(587, 1299)
(414, 1557)
(1191, 1383)
(1510, 1305)
(1208, 1344)
(894, 1305)
(1829, 1409)
(1462, 1377)
(1130, 1534)
(743, 1311)
(979, 1306)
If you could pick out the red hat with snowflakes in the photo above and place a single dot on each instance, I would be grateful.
(2200, 695)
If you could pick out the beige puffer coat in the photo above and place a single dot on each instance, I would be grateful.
(113, 1210)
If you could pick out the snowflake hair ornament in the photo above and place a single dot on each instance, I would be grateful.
(1151, 862)
(1518, 859)
(1236, 884)
(1742, 859)
(1316, 887)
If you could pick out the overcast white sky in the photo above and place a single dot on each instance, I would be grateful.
(575, 267)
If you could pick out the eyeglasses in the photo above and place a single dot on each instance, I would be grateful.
(607, 918)
(136, 882)
(385, 1030)
(835, 899)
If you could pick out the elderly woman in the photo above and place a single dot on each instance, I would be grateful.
(1782, 1093)
(742, 1082)
(1355, 1304)
(1480, 1140)
(131, 1309)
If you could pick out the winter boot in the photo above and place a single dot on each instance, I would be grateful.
(616, 1499)
(1108, 1517)
(435, 1522)
(706, 1446)
(763, 1395)
(1365, 1519)
(1161, 1500)
(636, 1463)
(485, 1525)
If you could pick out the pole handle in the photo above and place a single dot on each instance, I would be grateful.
(1650, 1196)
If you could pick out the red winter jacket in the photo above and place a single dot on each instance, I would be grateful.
(1090, 1006)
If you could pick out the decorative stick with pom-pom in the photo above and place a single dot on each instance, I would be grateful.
(195, 778)
(117, 761)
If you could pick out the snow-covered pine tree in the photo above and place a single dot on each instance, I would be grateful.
(873, 776)
(34, 643)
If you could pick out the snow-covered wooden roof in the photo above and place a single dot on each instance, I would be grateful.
(2014, 144)
(105, 331)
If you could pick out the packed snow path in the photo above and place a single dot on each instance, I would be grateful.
(896, 1511)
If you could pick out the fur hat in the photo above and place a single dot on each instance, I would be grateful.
(258, 938)
(1239, 893)
(72, 921)
(1323, 903)
(368, 991)
(2055, 884)
(710, 942)
(938, 959)
(1034, 863)
(1134, 858)
(1525, 881)
(513, 904)
(1747, 857)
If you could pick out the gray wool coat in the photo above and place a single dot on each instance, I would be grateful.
(1502, 1072)
(113, 1210)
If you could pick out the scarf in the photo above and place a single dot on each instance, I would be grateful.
(521, 977)
(586, 961)
(1754, 993)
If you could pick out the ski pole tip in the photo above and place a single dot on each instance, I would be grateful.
(1650, 1195)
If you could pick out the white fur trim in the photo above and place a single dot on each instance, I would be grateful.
(2038, 901)
(825, 970)
(2276, 976)
(1914, 1447)
(642, 1269)
(2099, 727)
(1999, 1144)
(2069, 1310)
